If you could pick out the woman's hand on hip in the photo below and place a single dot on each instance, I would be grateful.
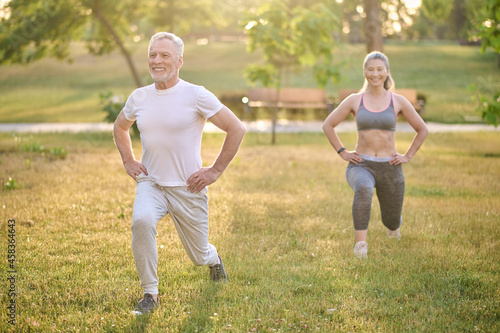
(399, 159)
(351, 156)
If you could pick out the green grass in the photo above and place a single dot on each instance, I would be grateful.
(53, 91)
(280, 217)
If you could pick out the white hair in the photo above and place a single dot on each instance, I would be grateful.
(179, 44)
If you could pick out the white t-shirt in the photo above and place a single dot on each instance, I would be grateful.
(171, 125)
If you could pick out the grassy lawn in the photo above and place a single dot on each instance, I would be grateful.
(53, 91)
(280, 217)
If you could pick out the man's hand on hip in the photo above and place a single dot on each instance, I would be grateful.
(134, 168)
(202, 178)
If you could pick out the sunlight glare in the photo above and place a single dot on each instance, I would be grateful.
(250, 25)
(412, 4)
(4, 13)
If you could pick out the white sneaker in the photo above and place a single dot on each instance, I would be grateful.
(361, 250)
(394, 234)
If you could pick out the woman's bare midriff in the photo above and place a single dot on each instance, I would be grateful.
(376, 143)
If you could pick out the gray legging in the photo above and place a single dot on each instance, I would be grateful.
(376, 172)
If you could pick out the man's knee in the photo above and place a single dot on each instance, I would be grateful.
(143, 222)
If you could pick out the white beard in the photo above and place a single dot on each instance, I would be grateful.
(162, 78)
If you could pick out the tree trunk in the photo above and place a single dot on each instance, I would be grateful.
(275, 117)
(96, 11)
(276, 106)
(373, 26)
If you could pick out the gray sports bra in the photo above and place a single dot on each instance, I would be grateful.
(384, 120)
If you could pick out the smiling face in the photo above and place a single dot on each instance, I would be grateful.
(164, 63)
(376, 72)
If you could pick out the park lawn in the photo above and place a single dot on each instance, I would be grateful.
(54, 91)
(280, 218)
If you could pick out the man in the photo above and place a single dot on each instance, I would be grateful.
(170, 115)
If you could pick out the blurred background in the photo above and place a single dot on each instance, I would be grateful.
(78, 60)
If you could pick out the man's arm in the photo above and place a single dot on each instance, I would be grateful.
(229, 123)
(124, 145)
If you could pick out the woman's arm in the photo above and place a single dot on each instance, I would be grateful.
(418, 124)
(334, 119)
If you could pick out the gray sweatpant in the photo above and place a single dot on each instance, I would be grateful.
(189, 212)
(389, 180)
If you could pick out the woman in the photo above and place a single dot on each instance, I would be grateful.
(375, 163)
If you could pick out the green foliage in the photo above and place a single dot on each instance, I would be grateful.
(112, 105)
(487, 104)
(59, 152)
(292, 36)
(266, 74)
(271, 30)
(324, 72)
(34, 146)
(490, 109)
(448, 19)
(35, 29)
(489, 28)
(437, 11)
(11, 184)
(489, 32)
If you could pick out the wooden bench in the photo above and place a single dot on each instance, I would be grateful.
(409, 94)
(291, 98)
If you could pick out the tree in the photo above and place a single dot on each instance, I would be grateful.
(438, 13)
(458, 19)
(373, 26)
(33, 29)
(291, 35)
(370, 21)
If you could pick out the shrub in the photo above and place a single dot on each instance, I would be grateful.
(11, 184)
(112, 105)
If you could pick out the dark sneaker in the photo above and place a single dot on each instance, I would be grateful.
(217, 272)
(146, 305)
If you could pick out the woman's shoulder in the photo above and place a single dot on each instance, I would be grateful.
(350, 103)
(398, 96)
(354, 97)
(400, 99)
